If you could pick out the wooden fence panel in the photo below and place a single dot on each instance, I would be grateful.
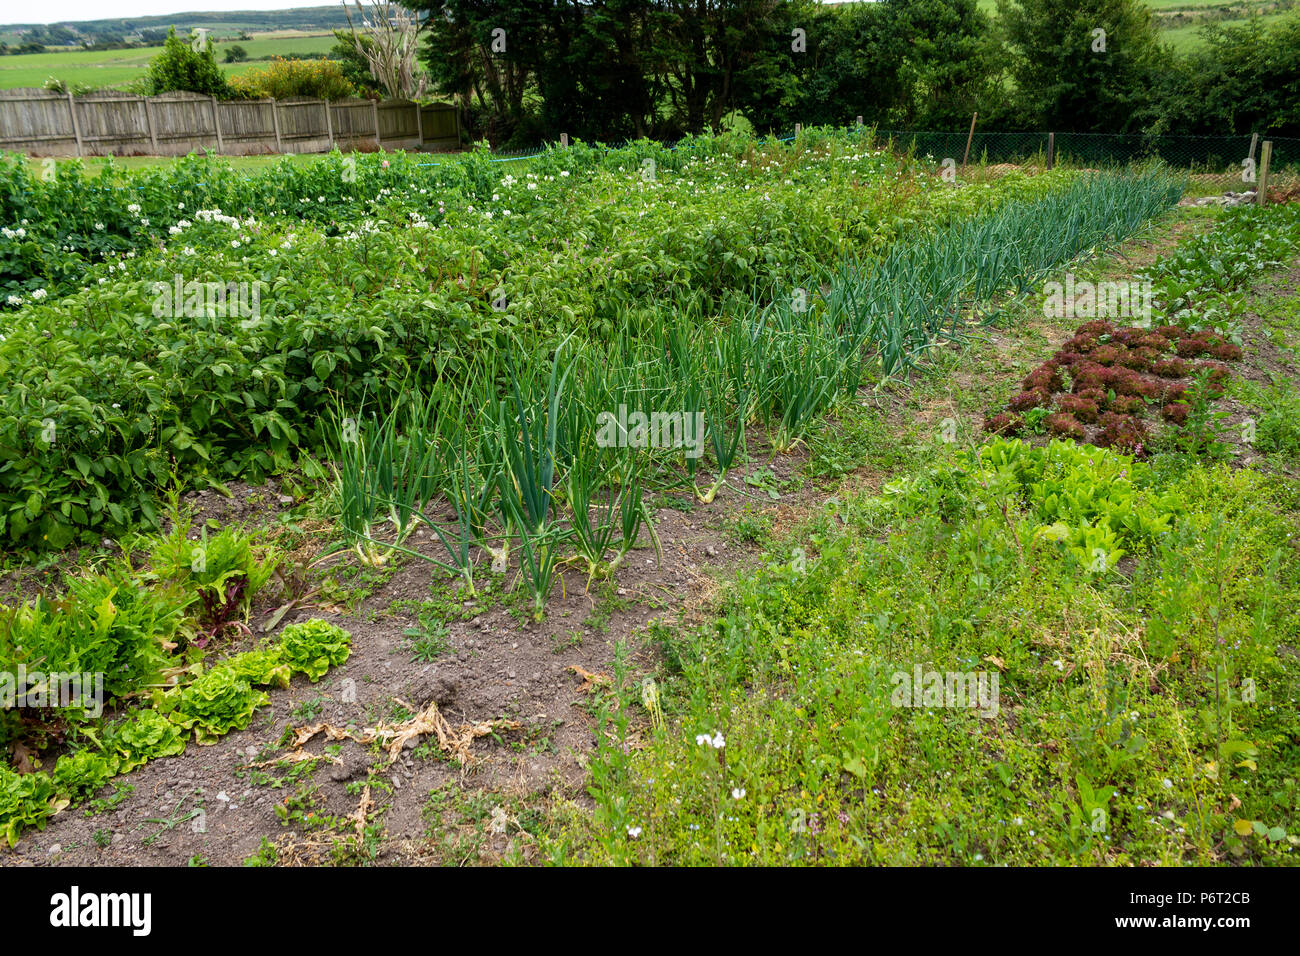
(247, 125)
(112, 123)
(354, 122)
(183, 122)
(33, 120)
(43, 122)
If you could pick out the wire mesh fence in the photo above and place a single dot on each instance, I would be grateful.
(1216, 164)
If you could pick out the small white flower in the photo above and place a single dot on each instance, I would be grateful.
(14, 300)
(38, 294)
(738, 793)
(99, 227)
(1167, 783)
(634, 832)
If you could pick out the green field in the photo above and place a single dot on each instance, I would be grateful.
(1184, 35)
(117, 68)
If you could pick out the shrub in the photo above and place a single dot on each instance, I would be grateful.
(182, 66)
(285, 79)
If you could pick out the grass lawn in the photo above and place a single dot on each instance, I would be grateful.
(116, 68)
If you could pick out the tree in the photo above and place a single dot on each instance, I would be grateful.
(186, 65)
(355, 66)
(389, 45)
(1243, 80)
(236, 54)
(1083, 65)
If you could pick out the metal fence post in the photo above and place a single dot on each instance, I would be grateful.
(1051, 150)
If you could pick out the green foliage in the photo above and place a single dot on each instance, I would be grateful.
(226, 570)
(105, 624)
(1199, 283)
(312, 647)
(216, 703)
(81, 773)
(26, 800)
(1089, 502)
(126, 385)
(1069, 78)
(1243, 79)
(261, 668)
(220, 699)
(143, 736)
(287, 78)
(185, 64)
(1131, 708)
(1278, 431)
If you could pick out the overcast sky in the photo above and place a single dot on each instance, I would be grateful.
(58, 11)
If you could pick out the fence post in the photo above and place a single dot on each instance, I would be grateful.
(1051, 150)
(1254, 140)
(148, 119)
(76, 124)
(374, 109)
(969, 136)
(1261, 186)
(419, 125)
(216, 124)
(275, 121)
(329, 123)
